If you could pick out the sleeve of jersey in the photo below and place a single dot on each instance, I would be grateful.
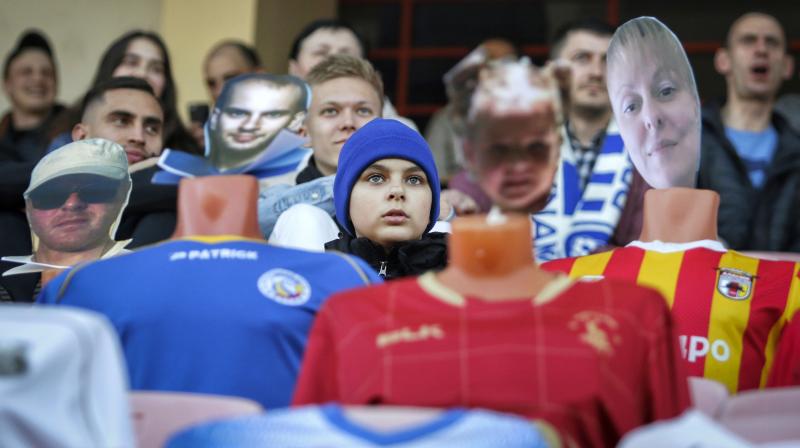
(317, 382)
(666, 375)
(561, 265)
(786, 368)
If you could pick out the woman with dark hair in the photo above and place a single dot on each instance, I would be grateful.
(141, 54)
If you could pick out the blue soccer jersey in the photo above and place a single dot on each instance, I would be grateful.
(328, 426)
(214, 315)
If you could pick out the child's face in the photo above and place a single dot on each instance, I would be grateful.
(391, 202)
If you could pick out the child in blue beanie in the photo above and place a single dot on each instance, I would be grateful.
(386, 196)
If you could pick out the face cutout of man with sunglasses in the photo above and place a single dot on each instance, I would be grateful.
(74, 203)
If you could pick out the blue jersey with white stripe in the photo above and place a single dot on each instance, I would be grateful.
(328, 426)
(215, 315)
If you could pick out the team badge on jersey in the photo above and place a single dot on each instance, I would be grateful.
(734, 284)
(284, 287)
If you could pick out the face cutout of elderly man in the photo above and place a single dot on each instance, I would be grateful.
(655, 102)
(75, 200)
(249, 113)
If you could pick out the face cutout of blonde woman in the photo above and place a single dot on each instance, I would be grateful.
(655, 102)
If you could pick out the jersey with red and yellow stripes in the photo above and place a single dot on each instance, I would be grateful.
(730, 308)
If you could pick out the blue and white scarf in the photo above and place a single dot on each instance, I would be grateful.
(285, 154)
(575, 222)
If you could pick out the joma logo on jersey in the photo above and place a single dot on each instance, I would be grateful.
(695, 347)
(406, 334)
(734, 284)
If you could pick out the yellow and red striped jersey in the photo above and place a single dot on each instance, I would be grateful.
(730, 308)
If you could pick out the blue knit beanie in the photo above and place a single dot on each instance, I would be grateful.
(376, 140)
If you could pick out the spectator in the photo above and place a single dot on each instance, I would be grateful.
(29, 81)
(750, 155)
(143, 55)
(228, 59)
(29, 75)
(387, 200)
(125, 110)
(597, 197)
(325, 37)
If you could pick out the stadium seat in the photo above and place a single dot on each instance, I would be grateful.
(707, 395)
(760, 416)
(158, 415)
(780, 256)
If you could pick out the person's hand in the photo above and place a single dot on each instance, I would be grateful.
(457, 201)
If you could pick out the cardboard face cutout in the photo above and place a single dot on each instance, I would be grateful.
(75, 200)
(250, 113)
(655, 102)
(513, 138)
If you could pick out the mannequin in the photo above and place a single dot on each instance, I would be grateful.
(218, 205)
(680, 215)
(730, 308)
(493, 260)
(236, 309)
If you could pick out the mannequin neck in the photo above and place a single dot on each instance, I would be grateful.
(679, 215)
(493, 261)
(218, 205)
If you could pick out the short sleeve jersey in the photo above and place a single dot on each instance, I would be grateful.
(216, 315)
(729, 308)
(329, 426)
(597, 360)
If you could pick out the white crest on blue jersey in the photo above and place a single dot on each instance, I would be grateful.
(285, 287)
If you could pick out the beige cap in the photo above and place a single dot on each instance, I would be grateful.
(92, 156)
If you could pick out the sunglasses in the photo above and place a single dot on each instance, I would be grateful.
(51, 196)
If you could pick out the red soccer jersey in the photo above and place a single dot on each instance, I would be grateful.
(729, 308)
(786, 370)
(596, 360)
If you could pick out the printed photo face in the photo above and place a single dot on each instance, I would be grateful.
(655, 105)
(76, 212)
(250, 114)
(515, 158)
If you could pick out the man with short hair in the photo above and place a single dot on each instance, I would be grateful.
(346, 93)
(591, 206)
(226, 60)
(750, 155)
(325, 37)
(126, 111)
(29, 81)
(249, 114)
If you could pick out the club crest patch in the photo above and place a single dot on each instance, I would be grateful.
(284, 287)
(734, 284)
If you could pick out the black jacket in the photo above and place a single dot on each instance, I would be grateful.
(766, 219)
(151, 213)
(405, 259)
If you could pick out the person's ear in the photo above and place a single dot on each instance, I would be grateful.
(296, 124)
(469, 156)
(788, 66)
(294, 68)
(722, 61)
(79, 132)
